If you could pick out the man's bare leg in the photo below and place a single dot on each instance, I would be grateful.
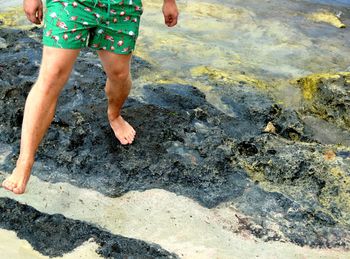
(118, 85)
(40, 106)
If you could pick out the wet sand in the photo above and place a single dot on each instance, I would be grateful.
(177, 223)
(13, 247)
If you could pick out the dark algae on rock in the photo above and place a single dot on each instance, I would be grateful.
(55, 235)
(281, 181)
(316, 191)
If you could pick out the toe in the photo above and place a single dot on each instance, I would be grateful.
(18, 190)
(131, 137)
(3, 184)
(13, 185)
(124, 141)
(121, 139)
(7, 185)
(129, 140)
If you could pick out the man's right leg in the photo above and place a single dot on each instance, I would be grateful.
(40, 106)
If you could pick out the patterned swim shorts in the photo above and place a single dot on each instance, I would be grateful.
(111, 25)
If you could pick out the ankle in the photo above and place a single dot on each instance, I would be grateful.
(113, 116)
(25, 161)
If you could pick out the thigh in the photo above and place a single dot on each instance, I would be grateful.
(118, 29)
(67, 24)
(56, 66)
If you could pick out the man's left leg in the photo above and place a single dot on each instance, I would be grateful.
(118, 85)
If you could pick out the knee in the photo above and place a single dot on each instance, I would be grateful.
(52, 80)
(119, 75)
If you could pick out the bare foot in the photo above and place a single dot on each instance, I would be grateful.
(17, 181)
(124, 132)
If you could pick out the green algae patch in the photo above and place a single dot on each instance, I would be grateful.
(255, 174)
(326, 17)
(14, 17)
(336, 192)
(309, 84)
(327, 97)
(214, 74)
(302, 172)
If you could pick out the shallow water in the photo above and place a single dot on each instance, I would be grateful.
(332, 2)
(270, 41)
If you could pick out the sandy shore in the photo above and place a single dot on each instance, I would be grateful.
(196, 232)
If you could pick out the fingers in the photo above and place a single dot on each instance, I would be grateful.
(170, 20)
(34, 13)
(32, 17)
(170, 13)
(173, 22)
(40, 14)
(167, 20)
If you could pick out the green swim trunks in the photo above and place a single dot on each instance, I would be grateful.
(111, 25)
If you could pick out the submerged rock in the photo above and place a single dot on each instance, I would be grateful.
(326, 17)
(14, 17)
(216, 75)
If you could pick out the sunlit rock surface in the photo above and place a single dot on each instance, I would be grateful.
(327, 18)
(327, 96)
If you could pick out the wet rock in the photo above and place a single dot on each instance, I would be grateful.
(175, 97)
(314, 185)
(270, 128)
(3, 43)
(216, 75)
(328, 97)
(82, 146)
(288, 124)
(245, 224)
(325, 132)
(253, 109)
(186, 145)
(54, 235)
(246, 148)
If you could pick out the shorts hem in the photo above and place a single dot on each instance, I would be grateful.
(62, 47)
(116, 52)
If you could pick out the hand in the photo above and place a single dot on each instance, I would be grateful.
(170, 12)
(33, 10)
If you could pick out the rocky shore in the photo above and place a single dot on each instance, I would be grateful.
(262, 158)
